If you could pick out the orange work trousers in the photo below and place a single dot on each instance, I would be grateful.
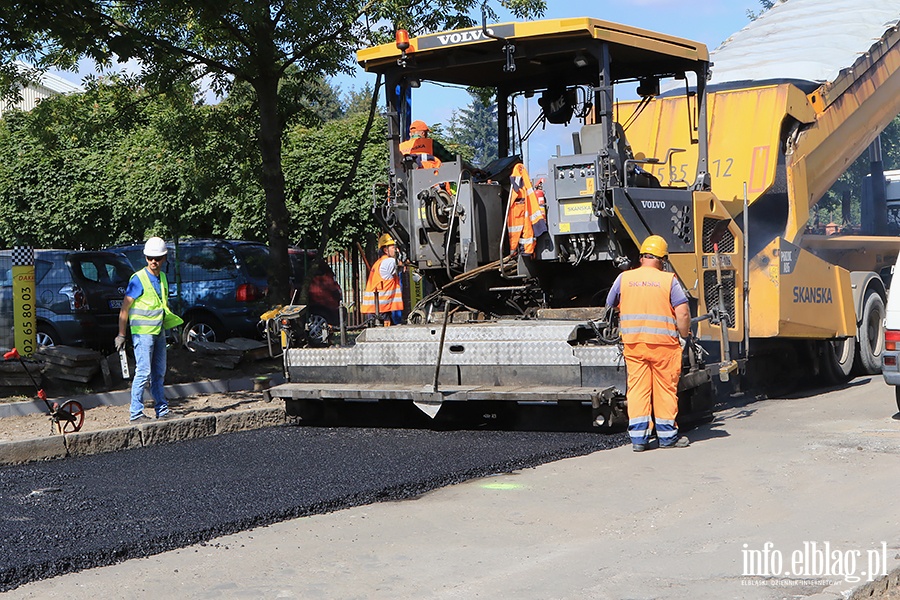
(653, 372)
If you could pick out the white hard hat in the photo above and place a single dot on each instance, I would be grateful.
(155, 246)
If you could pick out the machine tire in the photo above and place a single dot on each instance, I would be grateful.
(838, 358)
(871, 335)
(897, 396)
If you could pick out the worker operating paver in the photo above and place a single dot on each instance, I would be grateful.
(653, 312)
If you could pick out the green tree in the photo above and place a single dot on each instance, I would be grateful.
(115, 164)
(476, 127)
(262, 44)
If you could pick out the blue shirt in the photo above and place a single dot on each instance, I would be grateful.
(136, 288)
(676, 295)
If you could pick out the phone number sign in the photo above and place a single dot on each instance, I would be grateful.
(23, 300)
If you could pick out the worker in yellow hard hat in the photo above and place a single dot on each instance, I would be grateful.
(384, 294)
(653, 313)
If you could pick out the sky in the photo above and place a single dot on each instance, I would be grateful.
(707, 21)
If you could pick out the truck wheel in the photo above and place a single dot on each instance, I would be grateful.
(838, 358)
(897, 396)
(871, 335)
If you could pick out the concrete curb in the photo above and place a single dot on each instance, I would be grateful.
(137, 436)
(123, 397)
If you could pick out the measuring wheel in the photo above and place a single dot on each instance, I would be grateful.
(69, 417)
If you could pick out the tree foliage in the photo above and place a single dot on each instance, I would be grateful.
(266, 45)
(117, 164)
(475, 127)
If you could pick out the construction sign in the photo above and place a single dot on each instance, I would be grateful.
(24, 317)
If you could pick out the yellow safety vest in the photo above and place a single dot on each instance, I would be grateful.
(147, 313)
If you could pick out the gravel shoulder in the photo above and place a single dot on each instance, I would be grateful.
(19, 428)
(184, 366)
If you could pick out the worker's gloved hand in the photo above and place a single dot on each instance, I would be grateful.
(120, 343)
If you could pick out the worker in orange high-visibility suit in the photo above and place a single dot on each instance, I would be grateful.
(525, 221)
(653, 312)
(420, 146)
(384, 279)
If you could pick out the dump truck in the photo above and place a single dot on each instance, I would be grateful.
(507, 324)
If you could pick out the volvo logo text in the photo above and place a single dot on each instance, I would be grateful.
(653, 204)
(464, 36)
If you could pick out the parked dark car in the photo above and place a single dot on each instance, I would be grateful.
(218, 286)
(77, 297)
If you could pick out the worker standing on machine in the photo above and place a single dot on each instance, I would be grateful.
(653, 312)
(384, 282)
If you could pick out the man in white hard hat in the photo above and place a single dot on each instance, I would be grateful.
(144, 310)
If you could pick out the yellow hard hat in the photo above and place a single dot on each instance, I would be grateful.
(385, 240)
(656, 246)
(418, 126)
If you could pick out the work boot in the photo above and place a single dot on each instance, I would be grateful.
(166, 416)
(140, 419)
(681, 442)
(638, 447)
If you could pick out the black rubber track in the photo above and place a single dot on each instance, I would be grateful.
(69, 515)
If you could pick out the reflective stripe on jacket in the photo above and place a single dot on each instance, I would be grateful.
(645, 307)
(390, 293)
(525, 220)
(146, 313)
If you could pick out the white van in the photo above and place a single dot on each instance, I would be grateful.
(890, 358)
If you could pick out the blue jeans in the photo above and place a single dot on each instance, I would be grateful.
(150, 366)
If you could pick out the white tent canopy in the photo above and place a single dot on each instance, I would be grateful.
(808, 40)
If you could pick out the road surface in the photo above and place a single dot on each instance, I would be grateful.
(797, 479)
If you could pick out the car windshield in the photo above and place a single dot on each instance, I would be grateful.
(255, 258)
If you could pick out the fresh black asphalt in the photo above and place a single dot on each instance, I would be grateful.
(69, 515)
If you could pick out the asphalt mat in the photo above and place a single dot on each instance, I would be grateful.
(80, 513)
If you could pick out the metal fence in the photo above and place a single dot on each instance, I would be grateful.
(351, 273)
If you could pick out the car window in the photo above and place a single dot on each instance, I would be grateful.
(205, 263)
(101, 269)
(255, 259)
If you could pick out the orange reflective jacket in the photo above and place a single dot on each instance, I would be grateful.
(390, 294)
(645, 307)
(423, 150)
(525, 220)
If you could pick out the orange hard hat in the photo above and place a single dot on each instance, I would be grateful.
(418, 126)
